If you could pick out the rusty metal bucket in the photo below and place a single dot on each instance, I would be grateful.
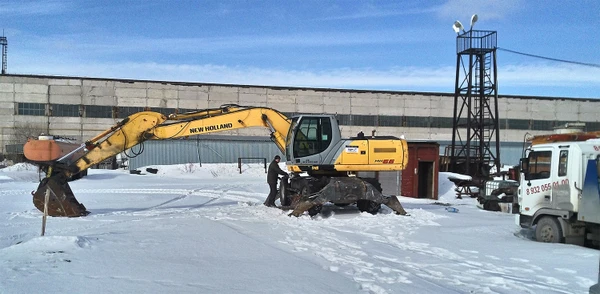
(61, 202)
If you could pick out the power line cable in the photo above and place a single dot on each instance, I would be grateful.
(549, 58)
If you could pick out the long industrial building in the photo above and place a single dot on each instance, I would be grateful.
(80, 108)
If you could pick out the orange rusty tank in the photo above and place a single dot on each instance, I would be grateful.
(47, 149)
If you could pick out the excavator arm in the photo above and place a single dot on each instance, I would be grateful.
(134, 130)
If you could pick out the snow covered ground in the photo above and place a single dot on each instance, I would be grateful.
(192, 229)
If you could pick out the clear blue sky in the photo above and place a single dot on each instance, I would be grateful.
(377, 45)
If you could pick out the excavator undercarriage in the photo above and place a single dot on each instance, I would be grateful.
(311, 193)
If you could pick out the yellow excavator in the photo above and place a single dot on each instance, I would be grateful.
(323, 166)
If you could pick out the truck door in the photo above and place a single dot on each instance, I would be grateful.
(537, 191)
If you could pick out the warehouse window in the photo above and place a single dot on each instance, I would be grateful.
(542, 125)
(519, 124)
(125, 111)
(344, 119)
(417, 122)
(389, 121)
(185, 110)
(441, 122)
(363, 120)
(98, 111)
(65, 110)
(31, 109)
(162, 110)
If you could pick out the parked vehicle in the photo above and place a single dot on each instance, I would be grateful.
(559, 188)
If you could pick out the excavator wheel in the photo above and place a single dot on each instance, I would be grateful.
(285, 196)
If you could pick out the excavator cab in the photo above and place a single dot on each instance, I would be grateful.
(310, 139)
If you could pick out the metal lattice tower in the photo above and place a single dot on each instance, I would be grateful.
(475, 138)
(4, 43)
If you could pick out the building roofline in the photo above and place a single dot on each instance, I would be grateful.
(177, 83)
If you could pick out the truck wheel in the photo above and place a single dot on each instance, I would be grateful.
(491, 205)
(548, 230)
(369, 206)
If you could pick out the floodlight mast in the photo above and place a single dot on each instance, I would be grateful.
(458, 27)
(475, 138)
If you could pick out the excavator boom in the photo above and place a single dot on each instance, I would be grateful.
(132, 131)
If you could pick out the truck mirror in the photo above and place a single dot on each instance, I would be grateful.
(524, 166)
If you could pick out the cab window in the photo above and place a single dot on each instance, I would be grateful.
(563, 159)
(313, 136)
(539, 165)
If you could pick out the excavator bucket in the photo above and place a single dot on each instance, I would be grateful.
(61, 201)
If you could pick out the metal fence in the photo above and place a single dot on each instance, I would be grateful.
(216, 149)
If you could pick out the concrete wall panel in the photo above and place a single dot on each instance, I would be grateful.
(586, 117)
(283, 107)
(336, 109)
(64, 82)
(309, 108)
(7, 109)
(363, 110)
(372, 102)
(135, 102)
(31, 97)
(249, 90)
(316, 101)
(131, 84)
(95, 91)
(7, 97)
(219, 103)
(7, 88)
(194, 104)
(130, 93)
(224, 97)
(162, 93)
(279, 98)
(253, 99)
(337, 101)
(99, 100)
(99, 83)
(161, 86)
(164, 103)
(65, 99)
(31, 89)
(390, 111)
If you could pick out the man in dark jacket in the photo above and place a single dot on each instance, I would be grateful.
(272, 177)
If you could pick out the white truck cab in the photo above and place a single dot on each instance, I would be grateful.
(559, 190)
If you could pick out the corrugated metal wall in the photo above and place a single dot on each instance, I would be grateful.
(227, 149)
(216, 149)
